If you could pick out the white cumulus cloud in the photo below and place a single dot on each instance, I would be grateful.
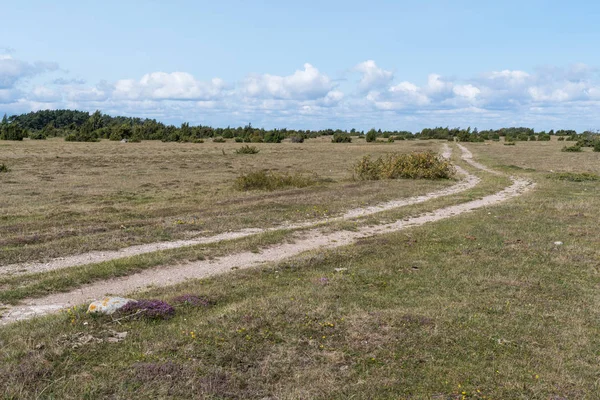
(168, 86)
(373, 77)
(306, 84)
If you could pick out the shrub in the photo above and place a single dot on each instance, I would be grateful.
(425, 165)
(39, 135)
(219, 140)
(12, 132)
(341, 138)
(263, 180)
(274, 137)
(510, 144)
(238, 139)
(597, 145)
(4, 168)
(561, 138)
(572, 149)
(81, 137)
(151, 309)
(297, 139)
(575, 176)
(247, 150)
(371, 135)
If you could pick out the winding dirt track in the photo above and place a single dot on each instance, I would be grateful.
(304, 241)
(467, 182)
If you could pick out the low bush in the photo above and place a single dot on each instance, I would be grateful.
(4, 168)
(341, 138)
(268, 180)
(13, 132)
(39, 135)
(426, 165)
(572, 149)
(219, 140)
(238, 139)
(597, 145)
(246, 149)
(575, 176)
(297, 139)
(509, 143)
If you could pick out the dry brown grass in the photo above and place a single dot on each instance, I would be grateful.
(65, 198)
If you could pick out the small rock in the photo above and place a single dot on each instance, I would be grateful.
(558, 243)
(108, 305)
(340, 269)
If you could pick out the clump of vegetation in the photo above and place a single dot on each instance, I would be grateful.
(246, 149)
(341, 138)
(4, 168)
(572, 149)
(150, 309)
(268, 180)
(297, 139)
(219, 140)
(39, 135)
(575, 176)
(597, 146)
(371, 136)
(509, 143)
(426, 165)
(12, 132)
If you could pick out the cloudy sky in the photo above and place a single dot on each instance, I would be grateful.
(308, 64)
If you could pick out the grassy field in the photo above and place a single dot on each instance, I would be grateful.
(482, 305)
(64, 198)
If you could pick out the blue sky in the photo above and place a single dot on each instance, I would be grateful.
(310, 64)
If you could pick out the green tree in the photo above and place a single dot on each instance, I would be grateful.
(371, 135)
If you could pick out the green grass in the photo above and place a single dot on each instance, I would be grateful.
(484, 303)
(63, 198)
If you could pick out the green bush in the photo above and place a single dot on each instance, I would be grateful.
(297, 139)
(509, 143)
(238, 139)
(12, 132)
(371, 135)
(341, 138)
(39, 135)
(426, 165)
(572, 149)
(597, 145)
(219, 140)
(247, 150)
(264, 180)
(4, 168)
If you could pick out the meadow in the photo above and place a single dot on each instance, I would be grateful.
(498, 303)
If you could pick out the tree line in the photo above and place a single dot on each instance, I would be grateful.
(82, 126)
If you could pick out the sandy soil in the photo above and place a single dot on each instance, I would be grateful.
(304, 241)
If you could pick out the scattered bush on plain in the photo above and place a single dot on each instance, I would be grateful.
(246, 149)
(341, 138)
(426, 165)
(572, 149)
(4, 168)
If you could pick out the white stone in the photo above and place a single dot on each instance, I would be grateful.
(108, 305)
(558, 243)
